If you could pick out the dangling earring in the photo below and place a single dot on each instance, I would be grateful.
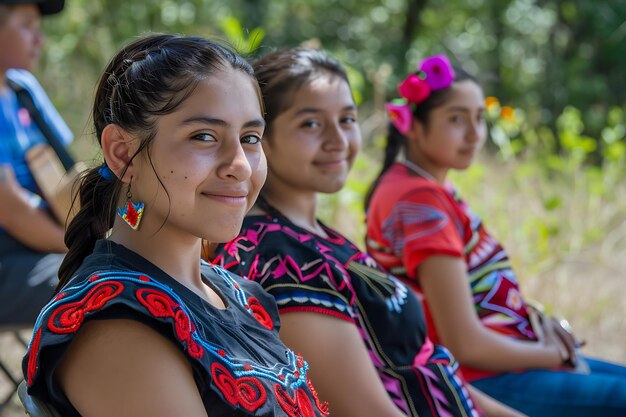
(132, 212)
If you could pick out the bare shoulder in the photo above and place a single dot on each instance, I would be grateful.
(341, 368)
(124, 368)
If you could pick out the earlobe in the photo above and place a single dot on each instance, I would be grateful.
(117, 150)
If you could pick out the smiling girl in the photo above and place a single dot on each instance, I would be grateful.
(419, 229)
(140, 327)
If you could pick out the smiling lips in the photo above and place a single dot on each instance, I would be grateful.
(234, 197)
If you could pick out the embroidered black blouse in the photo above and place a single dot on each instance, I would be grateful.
(240, 366)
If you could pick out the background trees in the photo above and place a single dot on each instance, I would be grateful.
(539, 55)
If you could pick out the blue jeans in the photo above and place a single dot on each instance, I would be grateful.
(540, 393)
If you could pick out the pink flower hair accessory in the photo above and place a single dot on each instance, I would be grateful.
(439, 72)
(400, 115)
(414, 89)
(434, 73)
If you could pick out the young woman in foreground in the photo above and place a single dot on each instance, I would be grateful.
(419, 229)
(362, 330)
(140, 327)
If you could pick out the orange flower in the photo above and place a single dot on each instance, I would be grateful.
(491, 102)
(507, 113)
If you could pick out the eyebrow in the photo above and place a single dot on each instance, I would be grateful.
(350, 107)
(461, 109)
(219, 122)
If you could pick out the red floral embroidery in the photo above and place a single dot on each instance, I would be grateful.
(259, 313)
(194, 349)
(225, 382)
(322, 406)
(183, 327)
(246, 391)
(304, 402)
(297, 406)
(32, 358)
(159, 304)
(68, 317)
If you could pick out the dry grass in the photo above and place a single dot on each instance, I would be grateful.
(572, 257)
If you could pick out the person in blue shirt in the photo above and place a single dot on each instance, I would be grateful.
(31, 240)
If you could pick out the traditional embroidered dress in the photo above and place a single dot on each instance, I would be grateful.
(309, 273)
(240, 366)
(411, 218)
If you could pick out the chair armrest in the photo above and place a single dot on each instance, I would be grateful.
(33, 406)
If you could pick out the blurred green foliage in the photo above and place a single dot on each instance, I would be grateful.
(537, 55)
(579, 199)
(555, 67)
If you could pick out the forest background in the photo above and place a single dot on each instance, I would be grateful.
(549, 183)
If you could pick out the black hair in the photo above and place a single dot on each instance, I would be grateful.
(150, 77)
(396, 141)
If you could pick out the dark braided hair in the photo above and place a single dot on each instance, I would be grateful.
(396, 141)
(148, 78)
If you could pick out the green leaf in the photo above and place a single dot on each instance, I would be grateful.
(233, 30)
(552, 203)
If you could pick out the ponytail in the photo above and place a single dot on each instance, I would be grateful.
(395, 143)
(94, 219)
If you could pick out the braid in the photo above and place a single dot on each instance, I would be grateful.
(395, 143)
(93, 220)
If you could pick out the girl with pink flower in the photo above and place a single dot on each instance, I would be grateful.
(419, 229)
